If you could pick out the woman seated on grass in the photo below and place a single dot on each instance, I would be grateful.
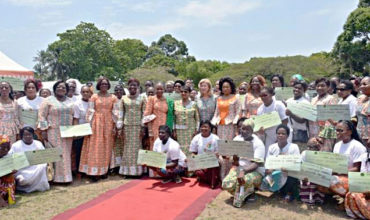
(175, 157)
(206, 142)
(246, 173)
(32, 178)
(7, 182)
(289, 190)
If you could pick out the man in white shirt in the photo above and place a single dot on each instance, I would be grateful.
(175, 157)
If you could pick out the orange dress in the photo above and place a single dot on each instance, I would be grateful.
(97, 148)
(159, 108)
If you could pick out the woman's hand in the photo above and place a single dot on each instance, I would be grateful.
(44, 135)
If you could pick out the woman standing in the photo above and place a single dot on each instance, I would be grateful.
(9, 122)
(97, 148)
(277, 81)
(56, 111)
(344, 90)
(207, 101)
(160, 108)
(363, 110)
(252, 98)
(323, 128)
(226, 117)
(7, 182)
(132, 106)
(186, 120)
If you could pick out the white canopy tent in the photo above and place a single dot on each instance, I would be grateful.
(9, 68)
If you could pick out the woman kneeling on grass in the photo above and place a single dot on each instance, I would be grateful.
(175, 157)
(246, 173)
(7, 182)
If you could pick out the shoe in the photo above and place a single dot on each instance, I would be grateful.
(178, 179)
(166, 181)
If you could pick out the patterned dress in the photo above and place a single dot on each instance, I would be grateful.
(206, 108)
(133, 110)
(9, 122)
(52, 115)
(363, 116)
(7, 188)
(323, 128)
(159, 108)
(96, 152)
(186, 124)
(251, 105)
(117, 151)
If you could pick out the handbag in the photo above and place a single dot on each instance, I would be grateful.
(300, 136)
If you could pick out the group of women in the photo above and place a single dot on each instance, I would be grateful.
(122, 124)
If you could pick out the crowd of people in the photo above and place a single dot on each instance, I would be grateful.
(177, 119)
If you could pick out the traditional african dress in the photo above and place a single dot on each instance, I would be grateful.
(251, 105)
(206, 108)
(363, 117)
(323, 128)
(7, 188)
(96, 152)
(117, 150)
(9, 122)
(53, 114)
(186, 124)
(159, 108)
(132, 112)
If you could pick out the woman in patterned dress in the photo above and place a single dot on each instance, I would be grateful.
(363, 110)
(7, 182)
(56, 111)
(207, 102)
(323, 128)
(156, 105)
(252, 99)
(97, 148)
(9, 122)
(226, 117)
(186, 120)
(132, 106)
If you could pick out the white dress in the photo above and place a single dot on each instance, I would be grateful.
(32, 178)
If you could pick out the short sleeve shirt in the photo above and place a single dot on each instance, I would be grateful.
(200, 144)
(171, 148)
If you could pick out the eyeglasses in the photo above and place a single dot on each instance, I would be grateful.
(184, 92)
(339, 130)
(342, 89)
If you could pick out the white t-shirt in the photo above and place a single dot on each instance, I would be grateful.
(365, 166)
(352, 102)
(28, 104)
(200, 144)
(289, 149)
(294, 124)
(19, 147)
(353, 150)
(80, 109)
(171, 148)
(258, 149)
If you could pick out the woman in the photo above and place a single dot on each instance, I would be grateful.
(349, 145)
(246, 174)
(277, 80)
(9, 123)
(363, 110)
(56, 111)
(206, 142)
(289, 190)
(270, 105)
(186, 120)
(32, 178)
(97, 148)
(357, 205)
(7, 182)
(323, 128)
(160, 108)
(177, 87)
(252, 99)
(226, 117)
(44, 93)
(79, 117)
(30, 102)
(207, 102)
(344, 91)
(132, 107)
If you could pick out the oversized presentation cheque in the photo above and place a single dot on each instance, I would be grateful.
(28, 117)
(283, 93)
(266, 120)
(337, 162)
(359, 182)
(287, 162)
(44, 156)
(239, 148)
(75, 130)
(152, 159)
(314, 173)
(334, 112)
(303, 110)
(202, 161)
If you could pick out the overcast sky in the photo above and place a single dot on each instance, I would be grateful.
(226, 30)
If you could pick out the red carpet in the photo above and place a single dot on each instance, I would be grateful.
(146, 199)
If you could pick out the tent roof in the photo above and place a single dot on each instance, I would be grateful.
(9, 67)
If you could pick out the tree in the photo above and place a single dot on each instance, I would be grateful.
(171, 47)
(83, 53)
(352, 48)
(131, 53)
